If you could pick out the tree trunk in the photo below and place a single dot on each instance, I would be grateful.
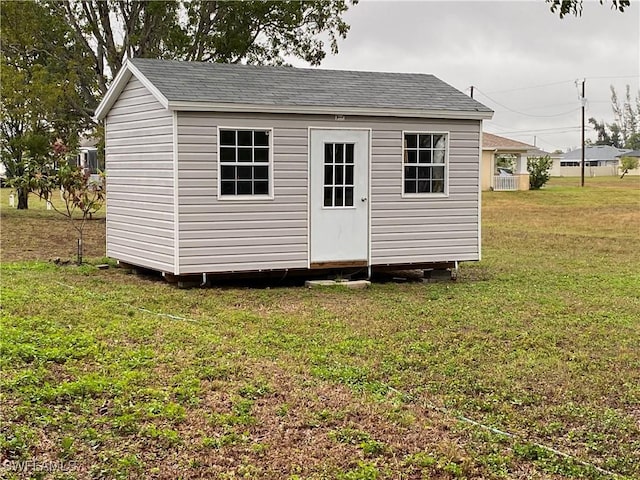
(80, 248)
(23, 198)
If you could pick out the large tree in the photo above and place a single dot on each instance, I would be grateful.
(261, 32)
(38, 91)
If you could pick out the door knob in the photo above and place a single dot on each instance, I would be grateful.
(363, 199)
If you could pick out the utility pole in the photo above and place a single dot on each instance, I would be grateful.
(582, 163)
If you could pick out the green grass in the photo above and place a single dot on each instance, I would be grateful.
(540, 340)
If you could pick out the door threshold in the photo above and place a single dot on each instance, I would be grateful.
(341, 264)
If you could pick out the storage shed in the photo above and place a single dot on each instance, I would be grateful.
(216, 168)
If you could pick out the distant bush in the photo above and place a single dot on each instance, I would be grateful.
(628, 163)
(538, 168)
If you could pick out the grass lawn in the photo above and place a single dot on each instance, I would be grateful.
(109, 375)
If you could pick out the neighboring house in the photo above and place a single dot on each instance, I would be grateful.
(494, 146)
(216, 168)
(634, 154)
(87, 159)
(86, 156)
(599, 160)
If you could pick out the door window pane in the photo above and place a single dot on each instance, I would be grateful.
(339, 178)
(348, 178)
(348, 196)
(348, 156)
(328, 153)
(328, 175)
(338, 199)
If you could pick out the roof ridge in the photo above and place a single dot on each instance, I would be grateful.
(279, 67)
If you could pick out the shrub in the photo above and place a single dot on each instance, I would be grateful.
(538, 168)
(628, 163)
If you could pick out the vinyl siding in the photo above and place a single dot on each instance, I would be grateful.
(240, 234)
(237, 235)
(428, 228)
(139, 164)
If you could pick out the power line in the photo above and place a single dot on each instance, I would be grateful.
(561, 82)
(552, 131)
(526, 114)
(531, 87)
(610, 77)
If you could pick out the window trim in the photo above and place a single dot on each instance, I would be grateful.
(270, 164)
(443, 194)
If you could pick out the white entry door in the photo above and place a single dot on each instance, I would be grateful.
(339, 202)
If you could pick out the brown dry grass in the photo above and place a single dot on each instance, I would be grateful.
(41, 234)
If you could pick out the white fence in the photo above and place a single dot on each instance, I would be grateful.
(606, 171)
(505, 183)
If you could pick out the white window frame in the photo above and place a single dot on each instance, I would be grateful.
(343, 207)
(445, 193)
(269, 164)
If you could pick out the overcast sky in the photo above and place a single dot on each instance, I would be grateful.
(511, 51)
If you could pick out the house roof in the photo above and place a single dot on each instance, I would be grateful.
(537, 152)
(596, 152)
(231, 87)
(632, 153)
(495, 142)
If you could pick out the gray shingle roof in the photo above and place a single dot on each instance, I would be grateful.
(596, 152)
(632, 153)
(297, 87)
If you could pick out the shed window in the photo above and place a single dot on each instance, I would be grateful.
(244, 162)
(425, 157)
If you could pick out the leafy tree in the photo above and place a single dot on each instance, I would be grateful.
(81, 197)
(38, 96)
(574, 7)
(260, 32)
(608, 134)
(628, 163)
(624, 132)
(633, 142)
(538, 168)
(627, 119)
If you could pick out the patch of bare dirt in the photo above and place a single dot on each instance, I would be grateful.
(27, 236)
